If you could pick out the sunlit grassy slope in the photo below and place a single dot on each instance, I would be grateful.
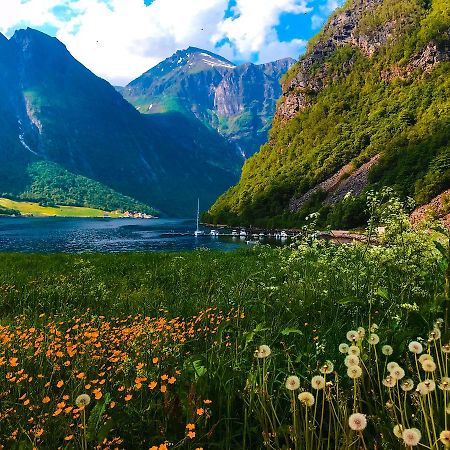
(62, 211)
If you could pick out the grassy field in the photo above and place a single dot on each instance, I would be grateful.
(227, 350)
(62, 211)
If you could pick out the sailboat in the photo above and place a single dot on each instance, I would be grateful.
(198, 232)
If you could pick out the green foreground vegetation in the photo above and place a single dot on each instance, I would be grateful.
(219, 350)
(11, 207)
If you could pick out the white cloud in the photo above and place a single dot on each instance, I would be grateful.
(120, 39)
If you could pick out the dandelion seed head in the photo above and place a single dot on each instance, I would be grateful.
(425, 357)
(411, 436)
(327, 367)
(354, 372)
(351, 360)
(318, 382)
(82, 400)
(354, 350)
(446, 348)
(445, 384)
(263, 351)
(444, 437)
(429, 365)
(398, 431)
(343, 348)
(373, 328)
(391, 366)
(435, 334)
(415, 347)
(374, 339)
(387, 350)
(398, 373)
(357, 422)
(306, 398)
(292, 383)
(361, 332)
(352, 336)
(389, 381)
(407, 385)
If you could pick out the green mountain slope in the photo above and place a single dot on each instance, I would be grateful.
(58, 112)
(237, 101)
(367, 106)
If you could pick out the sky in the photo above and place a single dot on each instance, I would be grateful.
(121, 39)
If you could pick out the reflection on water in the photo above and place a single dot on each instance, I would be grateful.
(73, 235)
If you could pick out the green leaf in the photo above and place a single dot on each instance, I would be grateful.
(288, 331)
(199, 368)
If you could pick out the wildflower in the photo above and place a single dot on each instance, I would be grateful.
(429, 365)
(387, 350)
(425, 357)
(415, 347)
(354, 350)
(82, 400)
(97, 394)
(343, 348)
(354, 372)
(46, 399)
(200, 411)
(445, 384)
(373, 328)
(398, 373)
(351, 360)
(446, 348)
(407, 385)
(292, 383)
(374, 339)
(391, 366)
(190, 426)
(69, 438)
(361, 332)
(128, 397)
(327, 368)
(444, 437)
(357, 422)
(318, 382)
(191, 434)
(389, 381)
(425, 387)
(306, 398)
(398, 431)
(60, 384)
(435, 334)
(352, 335)
(263, 351)
(411, 436)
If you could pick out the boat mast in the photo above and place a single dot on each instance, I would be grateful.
(198, 211)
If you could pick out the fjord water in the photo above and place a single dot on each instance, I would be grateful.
(74, 235)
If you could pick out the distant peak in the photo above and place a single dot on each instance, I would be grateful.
(32, 35)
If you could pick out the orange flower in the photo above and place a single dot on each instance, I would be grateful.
(155, 360)
(68, 438)
(200, 411)
(172, 380)
(13, 362)
(164, 377)
(112, 404)
(190, 426)
(207, 402)
(152, 385)
(39, 432)
(163, 388)
(57, 412)
(128, 397)
(46, 399)
(60, 384)
(97, 394)
(81, 375)
(191, 434)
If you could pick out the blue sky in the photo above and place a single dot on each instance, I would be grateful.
(120, 39)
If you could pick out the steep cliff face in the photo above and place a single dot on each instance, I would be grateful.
(58, 112)
(368, 105)
(238, 101)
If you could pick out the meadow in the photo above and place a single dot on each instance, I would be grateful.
(315, 346)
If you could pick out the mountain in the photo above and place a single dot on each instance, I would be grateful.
(367, 106)
(237, 101)
(69, 137)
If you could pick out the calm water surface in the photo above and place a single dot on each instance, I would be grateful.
(74, 235)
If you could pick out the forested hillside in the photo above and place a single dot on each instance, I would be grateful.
(367, 106)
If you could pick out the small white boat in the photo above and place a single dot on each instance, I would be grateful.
(284, 235)
(252, 242)
(214, 233)
(261, 235)
(243, 233)
(234, 233)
